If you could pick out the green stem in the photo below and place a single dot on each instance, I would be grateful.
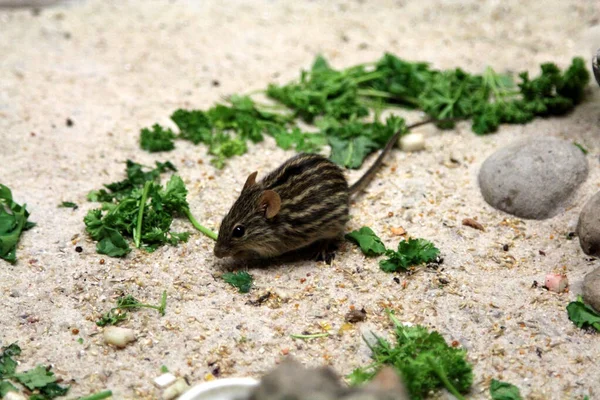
(137, 233)
(385, 95)
(197, 225)
(314, 335)
(369, 77)
(98, 396)
(444, 378)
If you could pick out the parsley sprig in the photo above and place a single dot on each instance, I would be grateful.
(423, 358)
(13, 221)
(410, 252)
(340, 103)
(117, 313)
(40, 380)
(140, 208)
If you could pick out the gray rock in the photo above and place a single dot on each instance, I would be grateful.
(533, 178)
(588, 226)
(591, 289)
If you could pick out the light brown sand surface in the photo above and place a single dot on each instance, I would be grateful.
(114, 67)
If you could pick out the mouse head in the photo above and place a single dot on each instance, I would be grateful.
(246, 227)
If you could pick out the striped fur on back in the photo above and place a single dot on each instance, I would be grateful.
(314, 206)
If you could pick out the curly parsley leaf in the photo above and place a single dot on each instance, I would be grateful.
(36, 378)
(226, 128)
(369, 242)
(351, 142)
(8, 365)
(13, 221)
(410, 252)
(240, 280)
(583, 315)
(117, 314)
(49, 391)
(322, 91)
(136, 177)
(423, 358)
(40, 379)
(504, 391)
(157, 139)
(5, 387)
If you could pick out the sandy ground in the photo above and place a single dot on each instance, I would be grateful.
(113, 68)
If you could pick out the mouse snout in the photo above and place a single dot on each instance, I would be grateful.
(219, 252)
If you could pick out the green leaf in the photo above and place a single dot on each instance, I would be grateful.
(410, 252)
(241, 280)
(36, 378)
(113, 244)
(583, 315)
(350, 153)
(157, 139)
(369, 242)
(580, 146)
(5, 387)
(13, 221)
(504, 391)
(50, 391)
(68, 204)
(193, 125)
(164, 369)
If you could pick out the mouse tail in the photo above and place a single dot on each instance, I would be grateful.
(364, 180)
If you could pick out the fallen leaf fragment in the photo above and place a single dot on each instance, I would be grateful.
(354, 316)
(399, 231)
(470, 222)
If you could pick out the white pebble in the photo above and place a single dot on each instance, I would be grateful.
(14, 396)
(412, 142)
(118, 337)
(556, 282)
(175, 389)
(164, 380)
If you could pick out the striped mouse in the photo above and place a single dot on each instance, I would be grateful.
(301, 204)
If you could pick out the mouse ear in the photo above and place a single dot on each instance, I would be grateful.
(251, 180)
(270, 202)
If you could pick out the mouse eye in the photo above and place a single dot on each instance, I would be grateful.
(238, 231)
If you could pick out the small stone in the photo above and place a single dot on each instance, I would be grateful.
(534, 178)
(176, 389)
(117, 336)
(591, 289)
(556, 282)
(14, 293)
(14, 396)
(412, 142)
(164, 380)
(588, 227)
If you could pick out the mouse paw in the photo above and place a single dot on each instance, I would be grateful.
(326, 251)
